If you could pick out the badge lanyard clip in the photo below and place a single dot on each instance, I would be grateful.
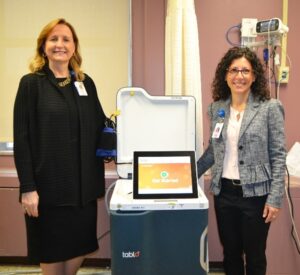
(219, 125)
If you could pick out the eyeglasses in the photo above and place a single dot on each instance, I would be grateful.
(235, 71)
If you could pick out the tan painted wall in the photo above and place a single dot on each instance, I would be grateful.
(102, 27)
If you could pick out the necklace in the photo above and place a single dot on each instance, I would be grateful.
(237, 113)
(65, 82)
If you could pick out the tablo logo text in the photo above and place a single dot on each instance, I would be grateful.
(129, 254)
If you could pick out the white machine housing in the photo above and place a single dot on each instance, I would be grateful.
(152, 123)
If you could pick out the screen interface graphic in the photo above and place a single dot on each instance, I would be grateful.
(159, 175)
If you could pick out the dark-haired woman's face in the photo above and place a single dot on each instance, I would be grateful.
(239, 76)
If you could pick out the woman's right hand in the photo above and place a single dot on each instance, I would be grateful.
(30, 202)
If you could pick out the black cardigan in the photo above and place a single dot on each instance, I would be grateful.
(42, 143)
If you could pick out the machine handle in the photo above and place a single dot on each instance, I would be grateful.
(204, 250)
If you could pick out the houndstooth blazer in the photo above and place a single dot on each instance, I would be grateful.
(261, 149)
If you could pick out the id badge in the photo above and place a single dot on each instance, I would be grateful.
(218, 129)
(80, 88)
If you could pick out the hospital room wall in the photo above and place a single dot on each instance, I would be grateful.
(215, 17)
(103, 30)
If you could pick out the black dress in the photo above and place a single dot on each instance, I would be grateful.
(65, 231)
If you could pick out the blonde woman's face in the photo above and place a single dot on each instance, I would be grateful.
(59, 45)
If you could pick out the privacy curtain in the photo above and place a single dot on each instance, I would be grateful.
(182, 61)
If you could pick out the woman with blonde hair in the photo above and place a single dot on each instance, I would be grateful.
(57, 124)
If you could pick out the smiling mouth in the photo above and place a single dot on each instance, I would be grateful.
(59, 50)
(239, 83)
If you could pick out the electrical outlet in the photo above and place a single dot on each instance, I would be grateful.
(283, 74)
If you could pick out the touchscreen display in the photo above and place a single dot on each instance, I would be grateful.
(165, 174)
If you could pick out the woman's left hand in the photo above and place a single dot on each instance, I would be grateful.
(270, 213)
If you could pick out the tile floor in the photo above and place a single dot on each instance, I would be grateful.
(35, 270)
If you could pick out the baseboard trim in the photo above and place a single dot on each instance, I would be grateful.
(105, 263)
(92, 262)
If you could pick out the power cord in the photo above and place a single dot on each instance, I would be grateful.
(107, 208)
(227, 35)
(291, 209)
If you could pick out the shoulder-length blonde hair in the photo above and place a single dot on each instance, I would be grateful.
(40, 59)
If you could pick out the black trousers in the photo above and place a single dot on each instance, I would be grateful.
(242, 230)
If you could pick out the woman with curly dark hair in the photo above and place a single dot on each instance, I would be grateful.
(259, 87)
(247, 157)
